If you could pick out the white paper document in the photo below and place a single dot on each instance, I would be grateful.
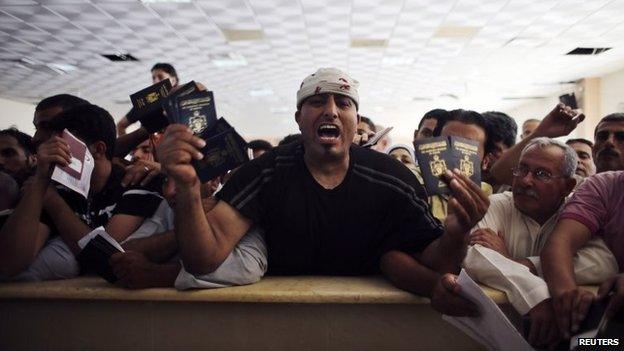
(492, 328)
(77, 175)
(101, 232)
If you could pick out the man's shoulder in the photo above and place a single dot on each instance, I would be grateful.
(377, 166)
(605, 185)
(366, 157)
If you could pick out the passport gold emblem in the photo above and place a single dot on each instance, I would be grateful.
(197, 122)
(466, 166)
(152, 97)
(437, 166)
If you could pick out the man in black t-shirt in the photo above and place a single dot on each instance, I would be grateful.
(327, 206)
(53, 212)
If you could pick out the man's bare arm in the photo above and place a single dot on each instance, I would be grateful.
(570, 303)
(23, 236)
(157, 248)
(127, 142)
(466, 208)
(407, 273)
(69, 226)
(205, 240)
(560, 121)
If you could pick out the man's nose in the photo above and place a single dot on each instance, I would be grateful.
(331, 110)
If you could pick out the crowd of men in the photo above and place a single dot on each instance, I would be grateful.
(547, 217)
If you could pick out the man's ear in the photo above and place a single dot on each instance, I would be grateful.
(298, 118)
(31, 161)
(98, 150)
(485, 163)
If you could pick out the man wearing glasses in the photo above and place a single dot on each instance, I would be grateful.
(508, 240)
(594, 211)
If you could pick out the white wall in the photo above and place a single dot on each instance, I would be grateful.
(18, 114)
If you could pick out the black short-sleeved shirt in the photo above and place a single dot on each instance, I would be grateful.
(378, 207)
(113, 199)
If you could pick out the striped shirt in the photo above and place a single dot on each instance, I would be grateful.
(379, 206)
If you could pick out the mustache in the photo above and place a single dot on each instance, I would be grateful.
(528, 192)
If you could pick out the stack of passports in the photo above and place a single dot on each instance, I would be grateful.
(94, 258)
(436, 155)
(225, 150)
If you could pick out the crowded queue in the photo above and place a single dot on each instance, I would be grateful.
(544, 220)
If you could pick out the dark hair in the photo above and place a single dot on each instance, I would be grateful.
(614, 117)
(580, 140)
(501, 128)
(290, 139)
(438, 114)
(259, 144)
(467, 117)
(23, 139)
(369, 122)
(64, 101)
(90, 123)
(167, 67)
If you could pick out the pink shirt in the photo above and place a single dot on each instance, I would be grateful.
(598, 204)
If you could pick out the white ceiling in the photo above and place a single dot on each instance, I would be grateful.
(477, 51)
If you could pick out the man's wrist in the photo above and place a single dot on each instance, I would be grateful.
(188, 190)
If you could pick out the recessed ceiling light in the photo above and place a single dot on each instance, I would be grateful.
(456, 32)
(227, 60)
(242, 35)
(369, 43)
(120, 57)
(62, 68)
(588, 51)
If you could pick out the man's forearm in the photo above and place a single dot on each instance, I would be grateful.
(195, 237)
(157, 248)
(127, 142)
(408, 274)
(444, 255)
(557, 266)
(71, 229)
(19, 235)
(501, 171)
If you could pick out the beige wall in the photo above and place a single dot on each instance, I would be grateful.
(612, 86)
(18, 114)
(604, 94)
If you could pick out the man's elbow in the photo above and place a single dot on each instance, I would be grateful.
(202, 265)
